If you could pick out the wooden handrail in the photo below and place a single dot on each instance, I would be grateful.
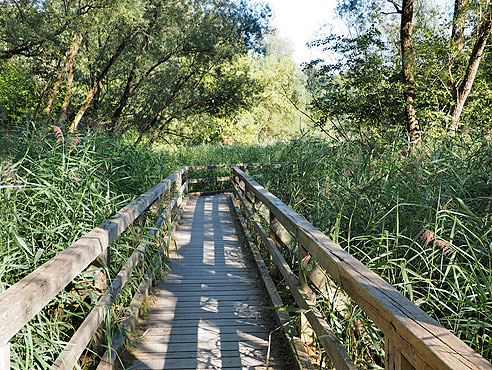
(23, 300)
(413, 338)
(334, 349)
(238, 165)
(418, 339)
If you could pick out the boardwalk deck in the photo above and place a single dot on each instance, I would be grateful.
(209, 310)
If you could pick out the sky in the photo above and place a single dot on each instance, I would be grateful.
(300, 22)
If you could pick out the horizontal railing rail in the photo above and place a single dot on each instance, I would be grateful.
(26, 298)
(413, 340)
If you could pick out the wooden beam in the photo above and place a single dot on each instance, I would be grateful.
(243, 165)
(420, 338)
(335, 351)
(209, 192)
(5, 356)
(302, 360)
(210, 179)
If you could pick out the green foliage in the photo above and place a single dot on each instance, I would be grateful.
(139, 65)
(251, 100)
(362, 89)
(17, 93)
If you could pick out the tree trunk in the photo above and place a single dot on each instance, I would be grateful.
(161, 129)
(66, 101)
(96, 85)
(464, 89)
(408, 61)
(459, 19)
(54, 91)
(45, 90)
(116, 119)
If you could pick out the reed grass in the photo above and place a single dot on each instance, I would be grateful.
(421, 221)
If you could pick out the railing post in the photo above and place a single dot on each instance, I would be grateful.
(5, 356)
(394, 359)
(273, 235)
(306, 332)
(102, 282)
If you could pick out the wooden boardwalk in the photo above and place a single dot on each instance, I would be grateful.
(209, 310)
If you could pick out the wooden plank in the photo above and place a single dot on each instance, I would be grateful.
(193, 295)
(201, 353)
(206, 288)
(422, 340)
(282, 233)
(205, 363)
(171, 347)
(337, 353)
(220, 322)
(5, 356)
(207, 328)
(210, 179)
(197, 336)
(128, 323)
(209, 192)
(216, 280)
(205, 305)
(209, 305)
(23, 300)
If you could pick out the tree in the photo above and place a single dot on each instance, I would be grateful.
(462, 90)
(145, 64)
(438, 68)
(408, 67)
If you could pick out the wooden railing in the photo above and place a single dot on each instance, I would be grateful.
(413, 340)
(26, 298)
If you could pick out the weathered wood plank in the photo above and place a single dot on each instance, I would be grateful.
(205, 363)
(206, 305)
(5, 356)
(422, 340)
(202, 353)
(210, 302)
(221, 322)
